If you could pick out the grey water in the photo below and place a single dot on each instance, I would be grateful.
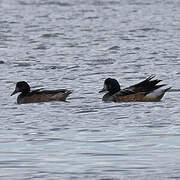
(76, 45)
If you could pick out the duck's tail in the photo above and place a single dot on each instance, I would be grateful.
(61, 96)
(167, 89)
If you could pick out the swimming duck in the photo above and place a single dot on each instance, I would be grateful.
(38, 95)
(146, 90)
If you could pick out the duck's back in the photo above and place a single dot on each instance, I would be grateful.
(44, 96)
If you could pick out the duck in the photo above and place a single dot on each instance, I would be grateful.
(38, 95)
(147, 90)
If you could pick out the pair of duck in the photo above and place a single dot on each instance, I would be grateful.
(145, 91)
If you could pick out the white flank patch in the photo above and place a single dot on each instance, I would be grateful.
(155, 93)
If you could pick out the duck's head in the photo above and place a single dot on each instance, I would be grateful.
(22, 87)
(111, 85)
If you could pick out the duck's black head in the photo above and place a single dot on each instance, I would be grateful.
(22, 87)
(111, 85)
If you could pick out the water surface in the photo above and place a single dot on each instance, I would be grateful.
(76, 45)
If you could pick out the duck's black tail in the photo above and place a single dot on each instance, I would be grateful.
(148, 85)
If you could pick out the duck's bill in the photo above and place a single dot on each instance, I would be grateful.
(15, 91)
(102, 90)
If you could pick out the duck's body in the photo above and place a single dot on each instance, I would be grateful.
(38, 95)
(145, 91)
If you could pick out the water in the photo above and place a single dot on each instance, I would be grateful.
(76, 45)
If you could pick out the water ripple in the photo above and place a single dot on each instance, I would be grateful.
(77, 45)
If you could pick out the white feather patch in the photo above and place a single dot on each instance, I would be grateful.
(156, 93)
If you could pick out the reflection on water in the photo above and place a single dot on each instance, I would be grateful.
(76, 45)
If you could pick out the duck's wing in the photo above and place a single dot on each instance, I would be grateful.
(147, 86)
(125, 92)
(54, 91)
(119, 95)
(58, 95)
(40, 95)
(36, 91)
(41, 91)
